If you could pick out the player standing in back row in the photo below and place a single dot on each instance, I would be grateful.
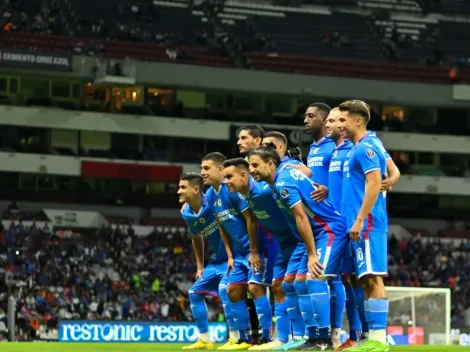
(364, 206)
(319, 158)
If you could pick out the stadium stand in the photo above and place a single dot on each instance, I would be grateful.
(174, 30)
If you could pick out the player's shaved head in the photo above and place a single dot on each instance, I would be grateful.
(216, 157)
(193, 178)
(356, 108)
(237, 162)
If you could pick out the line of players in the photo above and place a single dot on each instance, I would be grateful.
(316, 234)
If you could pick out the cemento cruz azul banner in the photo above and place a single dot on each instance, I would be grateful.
(133, 331)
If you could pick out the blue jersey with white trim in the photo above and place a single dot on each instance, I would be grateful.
(204, 224)
(366, 156)
(318, 159)
(374, 135)
(335, 174)
(293, 187)
(264, 206)
(228, 208)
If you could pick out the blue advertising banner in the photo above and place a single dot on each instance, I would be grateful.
(133, 331)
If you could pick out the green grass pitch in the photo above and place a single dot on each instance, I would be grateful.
(144, 347)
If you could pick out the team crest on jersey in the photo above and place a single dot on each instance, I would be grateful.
(284, 193)
(335, 154)
(315, 151)
(219, 202)
(202, 220)
(370, 153)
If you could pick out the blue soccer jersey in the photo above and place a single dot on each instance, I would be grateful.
(366, 156)
(228, 208)
(270, 216)
(287, 160)
(318, 159)
(374, 135)
(335, 174)
(293, 187)
(204, 224)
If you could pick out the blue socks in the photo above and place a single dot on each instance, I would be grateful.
(320, 298)
(305, 304)
(227, 308)
(293, 310)
(199, 309)
(242, 320)
(360, 304)
(355, 326)
(282, 322)
(377, 313)
(337, 302)
(263, 309)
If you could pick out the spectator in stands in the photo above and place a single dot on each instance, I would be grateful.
(393, 118)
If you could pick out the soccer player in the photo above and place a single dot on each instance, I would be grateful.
(321, 228)
(248, 267)
(364, 207)
(319, 157)
(291, 249)
(213, 278)
(321, 149)
(249, 137)
(393, 173)
(279, 141)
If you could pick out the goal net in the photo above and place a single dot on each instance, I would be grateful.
(418, 315)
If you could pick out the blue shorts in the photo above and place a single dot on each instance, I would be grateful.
(244, 274)
(213, 278)
(348, 266)
(330, 249)
(288, 262)
(371, 254)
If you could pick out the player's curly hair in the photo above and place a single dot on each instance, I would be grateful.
(266, 153)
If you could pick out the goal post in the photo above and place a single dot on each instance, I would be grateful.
(427, 308)
(421, 313)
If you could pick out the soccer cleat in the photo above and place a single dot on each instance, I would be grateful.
(200, 345)
(347, 345)
(309, 345)
(239, 346)
(267, 346)
(371, 346)
(229, 343)
(291, 345)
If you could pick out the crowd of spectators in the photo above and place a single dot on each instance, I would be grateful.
(110, 275)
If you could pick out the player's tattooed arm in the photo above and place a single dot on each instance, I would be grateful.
(393, 173)
(198, 247)
(305, 231)
(373, 186)
(302, 168)
(252, 228)
(228, 246)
